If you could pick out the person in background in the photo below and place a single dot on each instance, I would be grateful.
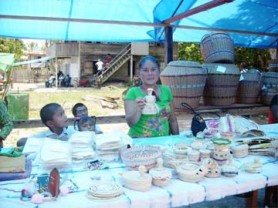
(141, 125)
(243, 67)
(6, 125)
(107, 60)
(86, 123)
(80, 110)
(99, 65)
(273, 110)
(67, 81)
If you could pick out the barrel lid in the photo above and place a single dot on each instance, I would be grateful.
(183, 67)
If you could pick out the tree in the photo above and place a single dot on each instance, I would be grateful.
(15, 46)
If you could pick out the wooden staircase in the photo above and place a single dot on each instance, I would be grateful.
(115, 64)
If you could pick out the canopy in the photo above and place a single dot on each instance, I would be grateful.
(6, 61)
(251, 23)
(40, 60)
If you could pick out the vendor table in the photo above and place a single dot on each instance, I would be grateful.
(177, 193)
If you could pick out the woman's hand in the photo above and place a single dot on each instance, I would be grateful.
(140, 102)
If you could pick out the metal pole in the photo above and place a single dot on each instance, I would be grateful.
(131, 68)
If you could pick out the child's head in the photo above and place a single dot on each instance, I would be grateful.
(79, 110)
(86, 123)
(54, 117)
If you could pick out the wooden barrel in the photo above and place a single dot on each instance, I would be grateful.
(221, 85)
(186, 80)
(217, 48)
(249, 87)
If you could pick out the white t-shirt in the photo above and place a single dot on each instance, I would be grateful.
(99, 65)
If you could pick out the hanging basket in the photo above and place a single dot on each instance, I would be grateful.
(186, 80)
(217, 48)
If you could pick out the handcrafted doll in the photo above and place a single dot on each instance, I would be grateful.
(150, 106)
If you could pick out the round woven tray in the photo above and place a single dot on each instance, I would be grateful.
(186, 80)
(217, 48)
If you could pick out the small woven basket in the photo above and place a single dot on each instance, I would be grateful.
(186, 80)
(217, 48)
(141, 155)
(221, 85)
(249, 87)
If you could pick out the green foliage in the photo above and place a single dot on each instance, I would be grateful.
(189, 52)
(12, 46)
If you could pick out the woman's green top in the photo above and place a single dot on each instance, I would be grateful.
(152, 125)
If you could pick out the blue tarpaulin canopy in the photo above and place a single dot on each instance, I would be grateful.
(251, 23)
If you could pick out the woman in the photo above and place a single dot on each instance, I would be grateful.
(144, 125)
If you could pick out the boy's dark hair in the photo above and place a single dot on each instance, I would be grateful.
(47, 112)
(274, 101)
(73, 110)
(84, 119)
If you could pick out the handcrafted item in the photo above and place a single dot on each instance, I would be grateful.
(137, 180)
(217, 48)
(249, 87)
(240, 150)
(150, 107)
(204, 153)
(229, 169)
(160, 176)
(181, 148)
(221, 85)
(214, 170)
(141, 155)
(101, 190)
(221, 151)
(54, 183)
(172, 160)
(191, 172)
(193, 155)
(187, 81)
(12, 160)
(253, 166)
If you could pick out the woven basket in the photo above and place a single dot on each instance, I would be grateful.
(217, 48)
(273, 65)
(141, 155)
(221, 85)
(267, 95)
(270, 80)
(249, 87)
(186, 80)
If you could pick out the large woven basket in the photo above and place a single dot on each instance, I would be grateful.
(221, 85)
(267, 95)
(270, 80)
(273, 65)
(217, 48)
(186, 80)
(249, 87)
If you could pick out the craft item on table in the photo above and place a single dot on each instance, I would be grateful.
(141, 155)
(214, 170)
(191, 172)
(150, 107)
(227, 126)
(12, 160)
(171, 160)
(42, 182)
(243, 125)
(193, 155)
(19, 175)
(55, 153)
(205, 153)
(82, 153)
(221, 151)
(54, 183)
(137, 180)
(197, 144)
(253, 133)
(102, 190)
(239, 150)
(229, 169)
(160, 176)
(254, 166)
(82, 138)
(181, 148)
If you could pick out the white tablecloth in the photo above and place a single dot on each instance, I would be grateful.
(178, 193)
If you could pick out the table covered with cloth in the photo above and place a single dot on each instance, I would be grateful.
(177, 193)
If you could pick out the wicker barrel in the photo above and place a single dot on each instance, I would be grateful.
(267, 95)
(270, 80)
(273, 65)
(217, 48)
(221, 85)
(249, 87)
(186, 80)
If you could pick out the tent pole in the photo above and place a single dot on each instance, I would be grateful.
(168, 45)
(131, 67)
(56, 72)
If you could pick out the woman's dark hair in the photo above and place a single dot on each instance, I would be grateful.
(47, 112)
(274, 101)
(74, 108)
(148, 58)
